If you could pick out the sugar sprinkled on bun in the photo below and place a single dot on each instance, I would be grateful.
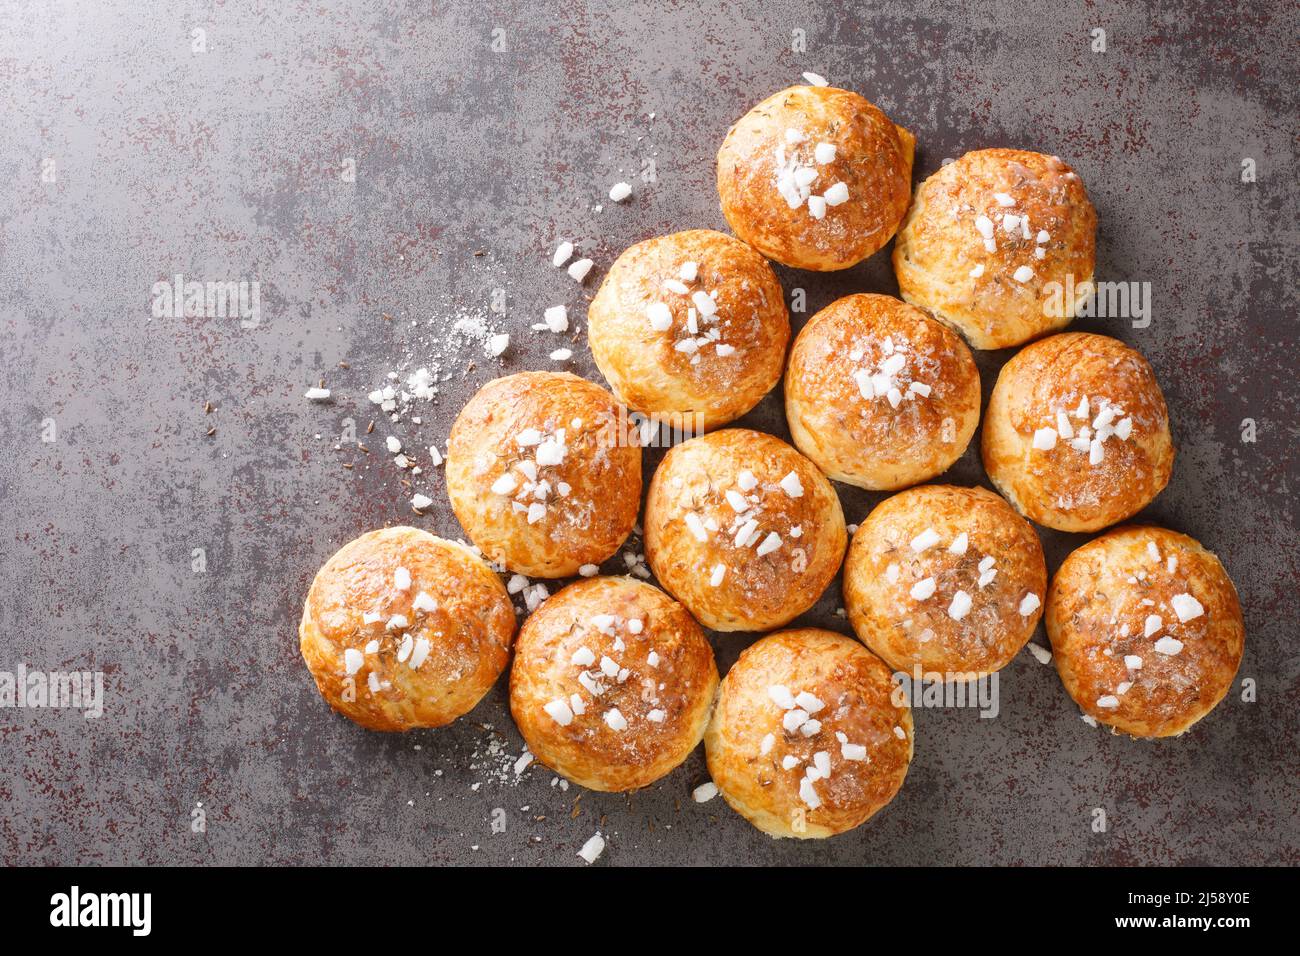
(808, 739)
(692, 323)
(612, 683)
(402, 629)
(999, 244)
(1076, 434)
(742, 529)
(879, 394)
(947, 579)
(1146, 630)
(815, 177)
(543, 473)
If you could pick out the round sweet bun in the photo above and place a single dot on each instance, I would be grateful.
(879, 394)
(693, 323)
(743, 530)
(1146, 630)
(950, 580)
(807, 740)
(402, 629)
(612, 683)
(858, 191)
(1076, 433)
(1031, 272)
(543, 473)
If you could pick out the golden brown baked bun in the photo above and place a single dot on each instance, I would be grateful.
(815, 177)
(990, 241)
(1076, 434)
(612, 683)
(690, 324)
(807, 739)
(950, 579)
(1146, 630)
(402, 629)
(742, 529)
(879, 394)
(543, 473)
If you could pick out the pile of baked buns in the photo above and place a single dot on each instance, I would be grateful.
(613, 681)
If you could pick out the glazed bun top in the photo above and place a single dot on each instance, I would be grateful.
(815, 177)
(690, 323)
(403, 629)
(612, 683)
(809, 738)
(947, 579)
(742, 529)
(543, 473)
(879, 394)
(990, 241)
(1076, 435)
(1146, 630)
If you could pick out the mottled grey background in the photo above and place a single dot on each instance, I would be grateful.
(225, 164)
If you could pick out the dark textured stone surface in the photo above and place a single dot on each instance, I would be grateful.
(226, 164)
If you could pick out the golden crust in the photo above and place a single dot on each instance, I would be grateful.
(856, 690)
(468, 633)
(867, 441)
(648, 370)
(601, 467)
(910, 631)
(1059, 488)
(757, 592)
(940, 245)
(665, 704)
(1096, 619)
(873, 159)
